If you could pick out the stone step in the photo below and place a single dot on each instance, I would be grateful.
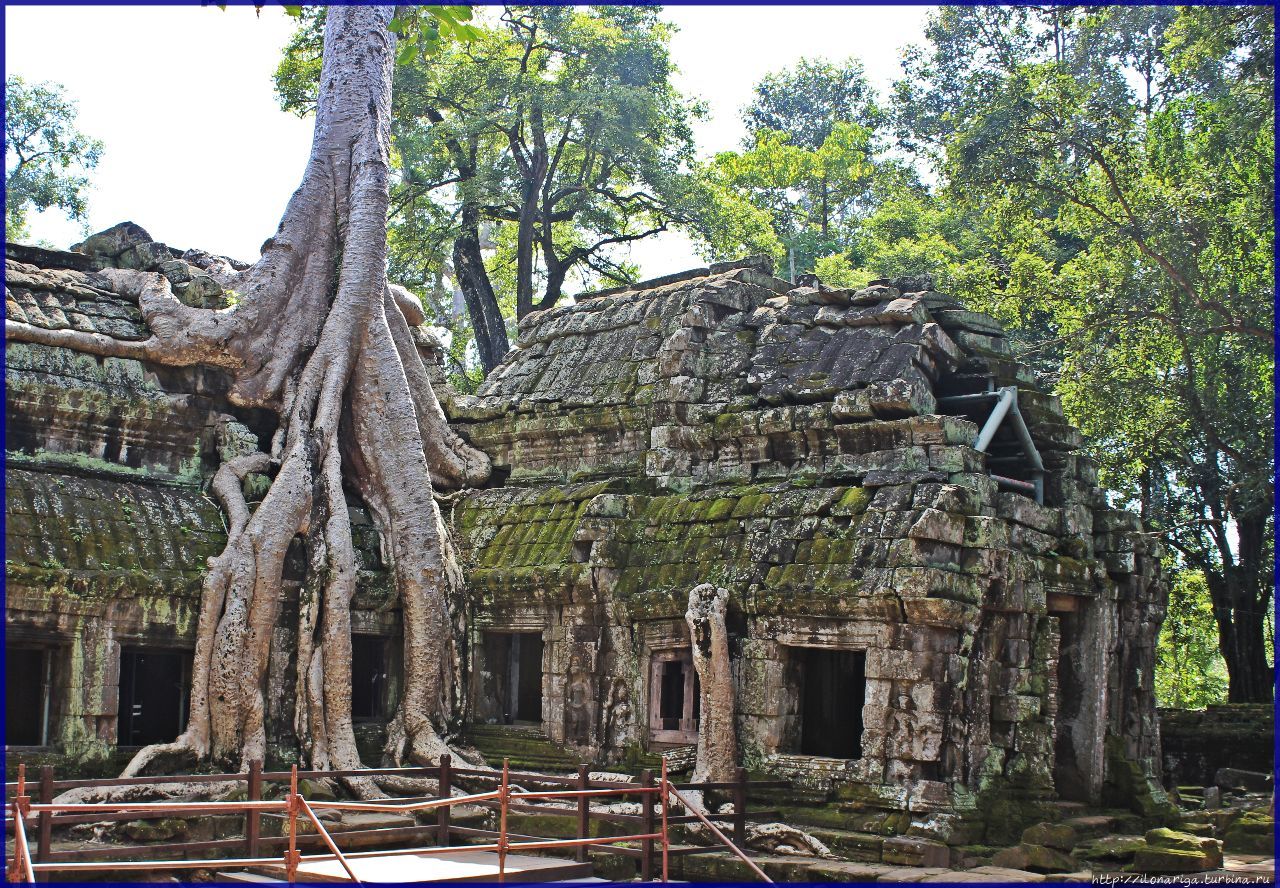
(485, 730)
(791, 796)
(525, 748)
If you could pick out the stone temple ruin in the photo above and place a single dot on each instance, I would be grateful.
(934, 615)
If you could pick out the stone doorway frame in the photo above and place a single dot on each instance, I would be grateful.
(688, 731)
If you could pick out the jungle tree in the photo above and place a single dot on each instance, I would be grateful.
(557, 128)
(1133, 149)
(46, 156)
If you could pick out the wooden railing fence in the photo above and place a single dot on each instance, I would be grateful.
(650, 838)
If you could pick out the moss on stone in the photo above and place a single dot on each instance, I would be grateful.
(1252, 833)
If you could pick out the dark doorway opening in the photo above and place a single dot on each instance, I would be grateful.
(672, 690)
(833, 691)
(26, 704)
(368, 677)
(527, 652)
(514, 659)
(1077, 744)
(154, 686)
(674, 698)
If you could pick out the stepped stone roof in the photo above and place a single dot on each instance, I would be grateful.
(811, 450)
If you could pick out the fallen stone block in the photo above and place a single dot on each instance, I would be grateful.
(1033, 857)
(910, 851)
(1168, 860)
(1054, 835)
(1249, 781)
(1252, 833)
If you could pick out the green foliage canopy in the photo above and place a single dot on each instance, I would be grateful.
(1119, 164)
(552, 130)
(46, 158)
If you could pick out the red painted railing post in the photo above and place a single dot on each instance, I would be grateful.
(502, 825)
(44, 823)
(21, 806)
(253, 819)
(584, 812)
(666, 842)
(646, 826)
(446, 791)
(292, 857)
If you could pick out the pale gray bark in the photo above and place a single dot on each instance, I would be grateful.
(717, 725)
(336, 362)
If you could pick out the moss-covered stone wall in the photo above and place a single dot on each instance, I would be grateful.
(108, 523)
(804, 449)
(811, 450)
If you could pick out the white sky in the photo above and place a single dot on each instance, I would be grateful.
(199, 153)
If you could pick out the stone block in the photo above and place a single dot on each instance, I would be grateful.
(114, 240)
(931, 795)
(1250, 781)
(1169, 860)
(1111, 848)
(936, 582)
(937, 525)
(912, 851)
(904, 665)
(1038, 858)
(1254, 832)
(941, 612)
(1168, 839)
(1053, 835)
(1028, 513)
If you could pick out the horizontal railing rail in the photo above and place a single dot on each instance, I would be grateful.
(642, 834)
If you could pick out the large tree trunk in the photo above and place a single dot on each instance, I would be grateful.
(320, 338)
(482, 304)
(1241, 595)
(717, 757)
(525, 222)
(1249, 676)
(533, 168)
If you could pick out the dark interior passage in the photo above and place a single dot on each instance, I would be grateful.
(833, 691)
(674, 697)
(514, 662)
(24, 703)
(154, 686)
(368, 677)
(527, 650)
(672, 694)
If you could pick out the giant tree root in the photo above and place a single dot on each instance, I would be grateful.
(779, 838)
(717, 752)
(318, 337)
(147, 792)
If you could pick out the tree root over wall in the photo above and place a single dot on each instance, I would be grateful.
(717, 756)
(321, 339)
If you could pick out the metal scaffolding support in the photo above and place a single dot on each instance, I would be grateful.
(1006, 407)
